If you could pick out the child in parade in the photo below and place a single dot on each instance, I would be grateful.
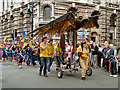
(20, 60)
(4, 55)
(69, 61)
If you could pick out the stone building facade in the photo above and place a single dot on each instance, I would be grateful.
(15, 15)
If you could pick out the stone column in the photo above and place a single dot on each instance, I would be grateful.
(9, 30)
(20, 23)
(27, 20)
(6, 5)
(53, 11)
(1, 28)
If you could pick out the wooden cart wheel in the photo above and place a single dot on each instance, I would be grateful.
(89, 71)
(60, 74)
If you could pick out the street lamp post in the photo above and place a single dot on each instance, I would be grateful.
(106, 22)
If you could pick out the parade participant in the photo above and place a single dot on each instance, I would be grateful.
(24, 53)
(84, 59)
(58, 51)
(78, 50)
(0, 53)
(13, 52)
(43, 56)
(28, 56)
(20, 60)
(69, 57)
(33, 57)
(4, 55)
(113, 65)
(50, 49)
(16, 54)
(95, 55)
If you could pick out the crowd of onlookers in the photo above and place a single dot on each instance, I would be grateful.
(44, 53)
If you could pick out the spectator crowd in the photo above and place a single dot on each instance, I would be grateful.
(45, 53)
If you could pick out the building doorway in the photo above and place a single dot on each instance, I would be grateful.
(93, 39)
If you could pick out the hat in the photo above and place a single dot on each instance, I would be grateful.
(111, 45)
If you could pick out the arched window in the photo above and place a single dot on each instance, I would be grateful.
(113, 20)
(47, 13)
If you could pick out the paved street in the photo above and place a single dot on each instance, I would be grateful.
(28, 77)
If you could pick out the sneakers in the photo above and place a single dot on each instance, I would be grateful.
(111, 75)
(20, 67)
(49, 73)
(45, 75)
(114, 76)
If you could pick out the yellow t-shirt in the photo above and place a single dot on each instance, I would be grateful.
(78, 49)
(43, 53)
(50, 49)
(85, 53)
(57, 50)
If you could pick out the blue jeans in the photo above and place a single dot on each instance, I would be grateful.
(49, 63)
(91, 62)
(43, 61)
(113, 68)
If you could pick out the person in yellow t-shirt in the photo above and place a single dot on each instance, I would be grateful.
(58, 52)
(43, 56)
(50, 49)
(84, 56)
(78, 50)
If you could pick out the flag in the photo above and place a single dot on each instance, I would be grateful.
(25, 44)
(30, 44)
(5, 38)
(22, 40)
(21, 44)
(2, 45)
(23, 32)
(39, 40)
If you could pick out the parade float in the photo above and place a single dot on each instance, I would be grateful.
(68, 23)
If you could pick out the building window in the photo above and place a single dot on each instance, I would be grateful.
(47, 13)
(113, 20)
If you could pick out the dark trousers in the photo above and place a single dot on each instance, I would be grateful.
(33, 60)
(69, 63)
(43, 62)
(99, 59)
(113, 68)
(103, 62)
(58, 61)
(107, 65)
